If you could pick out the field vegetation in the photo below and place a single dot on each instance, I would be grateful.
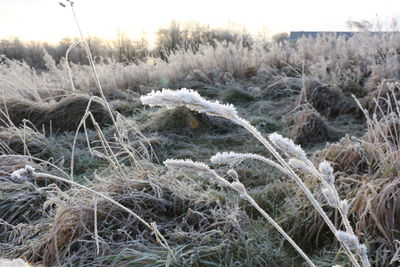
(82, 174)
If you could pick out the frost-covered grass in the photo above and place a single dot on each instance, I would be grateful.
(297, 158)
(300, 90)
(357, 65)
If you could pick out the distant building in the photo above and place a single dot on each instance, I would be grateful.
(297, 35)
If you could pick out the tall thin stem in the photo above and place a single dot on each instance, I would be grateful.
(280, 230)
(297, 179)
(92, 65)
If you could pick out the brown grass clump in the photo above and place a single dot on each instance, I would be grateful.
(282, 86)
(376, 210)
(23, 140)
(61, 116)
(309, 127)
(349, 156)
(382, 100)
(184, 122)
(329, 101)
(368, 175)
(385, 135)
(69, 225)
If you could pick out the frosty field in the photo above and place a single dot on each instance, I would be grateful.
(119, 172)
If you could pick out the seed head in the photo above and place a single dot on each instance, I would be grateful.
(349, 239)
(363, 249)
(240, 189)
(344, 205)
(190, 167)
(326, 169)
(230, 158)
(298, 165)
(288, 146)
(232, 173)
(23, 174)
(330, 197)
(190, 99)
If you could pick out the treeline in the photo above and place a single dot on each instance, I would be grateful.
(126, 50)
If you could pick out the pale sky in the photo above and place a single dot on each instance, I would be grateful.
(46, 20)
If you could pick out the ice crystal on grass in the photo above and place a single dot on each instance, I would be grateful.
(191, 167)
(240, 189)
(190, 99)
(233, 158)
(229, 158)
(199, 168)
(23, 174)
(233, 174)
(298, 165)
(349, 239)
(325, 168)
(287, 146)
(344, 205)
(13, 263)
(330, 197)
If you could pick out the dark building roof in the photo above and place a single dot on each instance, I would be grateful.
(297, 35)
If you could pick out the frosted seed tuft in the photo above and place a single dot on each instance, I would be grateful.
(330, 197)
(233, 174)
(190, 99)
(229, 158)
(23, 174)
(288, 146)
(298, 165)
(344, 205)
(349, 239)
(190, 167)
(325, 168)
(240, 189)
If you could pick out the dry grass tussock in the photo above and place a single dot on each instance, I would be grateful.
(329, 101)
(308, 127)
(22, 141)
(64, 115)
(368, 170)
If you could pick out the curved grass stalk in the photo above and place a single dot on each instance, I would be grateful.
(194, 101)
(203, 170)
(301, 184)
(233, 158)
